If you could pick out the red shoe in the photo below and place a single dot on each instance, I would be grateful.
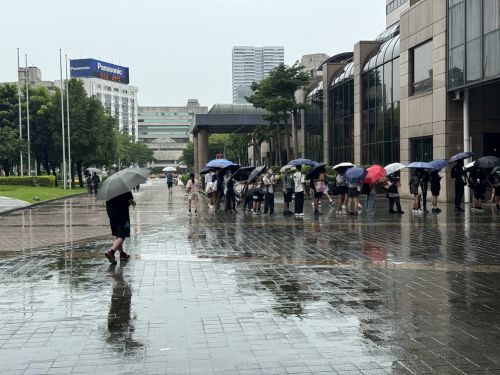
(110, 255)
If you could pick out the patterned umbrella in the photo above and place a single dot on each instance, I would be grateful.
(302, 162)
(393, 168)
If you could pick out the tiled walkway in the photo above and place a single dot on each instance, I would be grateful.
(242, 294)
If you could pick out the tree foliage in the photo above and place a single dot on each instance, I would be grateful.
(276, 95)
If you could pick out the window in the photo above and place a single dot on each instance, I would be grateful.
(422, 67)
(421, 149)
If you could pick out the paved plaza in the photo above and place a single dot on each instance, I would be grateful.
(244, 294)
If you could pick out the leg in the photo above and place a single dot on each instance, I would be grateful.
(459, 193)
(398, 205)
(266, 203)
(271, 203)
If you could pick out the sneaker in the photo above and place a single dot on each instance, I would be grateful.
(124, 256)
(438, 210)
(110, 255)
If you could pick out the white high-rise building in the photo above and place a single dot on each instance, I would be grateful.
(252, 64)
(109, 84)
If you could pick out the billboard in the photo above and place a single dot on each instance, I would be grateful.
(94, 68)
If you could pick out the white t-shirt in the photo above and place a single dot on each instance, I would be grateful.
(268, 182)
(298, 180)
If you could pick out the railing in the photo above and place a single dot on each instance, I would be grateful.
(422, 86)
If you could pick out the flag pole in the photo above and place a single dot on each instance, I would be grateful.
(28, 112)
(20, 113)
(62, 121)
(67, 124)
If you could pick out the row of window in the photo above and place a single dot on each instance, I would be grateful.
(393, 5)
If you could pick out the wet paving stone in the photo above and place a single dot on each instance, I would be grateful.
(243, 294)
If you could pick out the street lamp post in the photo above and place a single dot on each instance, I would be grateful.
(26, 74)
(62, 121)
(67, 124)
(20, 113)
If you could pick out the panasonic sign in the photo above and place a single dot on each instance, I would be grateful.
(81, 68)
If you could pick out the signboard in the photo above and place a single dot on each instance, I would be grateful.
(94, 68)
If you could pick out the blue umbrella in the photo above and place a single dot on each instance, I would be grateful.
(420, 164)
(439, 164)
(302, 162)
(219, 163)
(355, 175)
(461, 156)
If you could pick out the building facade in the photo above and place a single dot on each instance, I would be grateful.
(251, 64)
(426, 88)
(165, 129)
(109, 84)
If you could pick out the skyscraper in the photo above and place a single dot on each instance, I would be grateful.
(252, 64)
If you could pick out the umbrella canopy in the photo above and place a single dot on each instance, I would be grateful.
(92, 170)
(256, 172)
(393, 168)
(419, 165)
(496, 170)
(461, 156)
(302, 162)
(345, 164)
(439, 164)
(287, 168)
(219, 163)
(488, 162)
(169, 169)
(233, 168)
(317, 169)
(374, 173)
(355, 175)
(121, 182)
(205, 170)
(242, 173)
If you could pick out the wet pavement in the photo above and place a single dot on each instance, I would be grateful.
(243, 294)
(7, 204)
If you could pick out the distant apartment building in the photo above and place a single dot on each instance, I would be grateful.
(34, 77)
(252, 64)
(109, 83)
(165, 130)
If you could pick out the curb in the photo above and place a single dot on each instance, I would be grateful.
(39, 203)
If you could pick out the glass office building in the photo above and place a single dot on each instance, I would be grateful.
(313, 123)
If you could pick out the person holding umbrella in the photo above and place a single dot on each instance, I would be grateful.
(288, 188)
(299, 188)
(435, 180)
(229, 192)
(192, 188)
(269, 182)
(477, 181)
(354, 176)
(459, 175)
(116, 192)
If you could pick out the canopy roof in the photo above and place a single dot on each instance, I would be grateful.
(387, 52)
(344, 74)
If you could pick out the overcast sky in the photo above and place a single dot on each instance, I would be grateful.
(178, 50)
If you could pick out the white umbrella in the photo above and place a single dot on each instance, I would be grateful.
(121, 182)
(394, 167)
(169, 169)
(287, 168)
(345, 164)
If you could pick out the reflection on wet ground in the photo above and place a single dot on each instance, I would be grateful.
(241, 294)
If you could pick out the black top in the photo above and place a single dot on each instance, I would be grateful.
(117, 207)
(435, 180)
(458, 173)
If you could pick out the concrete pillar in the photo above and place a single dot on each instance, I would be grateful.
(195, 148)
(202, 148)
(361, 52)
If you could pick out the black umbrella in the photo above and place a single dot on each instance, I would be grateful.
(242, 173)
(205, 170)
(488, 162)
(256, 172)
(313, 173)
(233, 168)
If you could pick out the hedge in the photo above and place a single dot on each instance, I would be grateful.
(45, 181)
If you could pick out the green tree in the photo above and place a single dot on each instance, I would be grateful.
(276, 94)
(187, 157)
(10, 146)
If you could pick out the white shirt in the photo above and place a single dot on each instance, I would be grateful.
(208, 178)
(298, 180)
(268, 182)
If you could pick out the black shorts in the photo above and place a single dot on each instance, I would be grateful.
(435, 192)
(258, 197)
(352, 192)
(318, 195)
(342, 189)
(287, 196)
(120, 228)
(169, 184)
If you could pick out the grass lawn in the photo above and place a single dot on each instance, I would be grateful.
(27, 193)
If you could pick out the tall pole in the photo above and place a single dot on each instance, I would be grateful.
(62, 121)
(20, 112)
(28, 112)
(67, 123)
